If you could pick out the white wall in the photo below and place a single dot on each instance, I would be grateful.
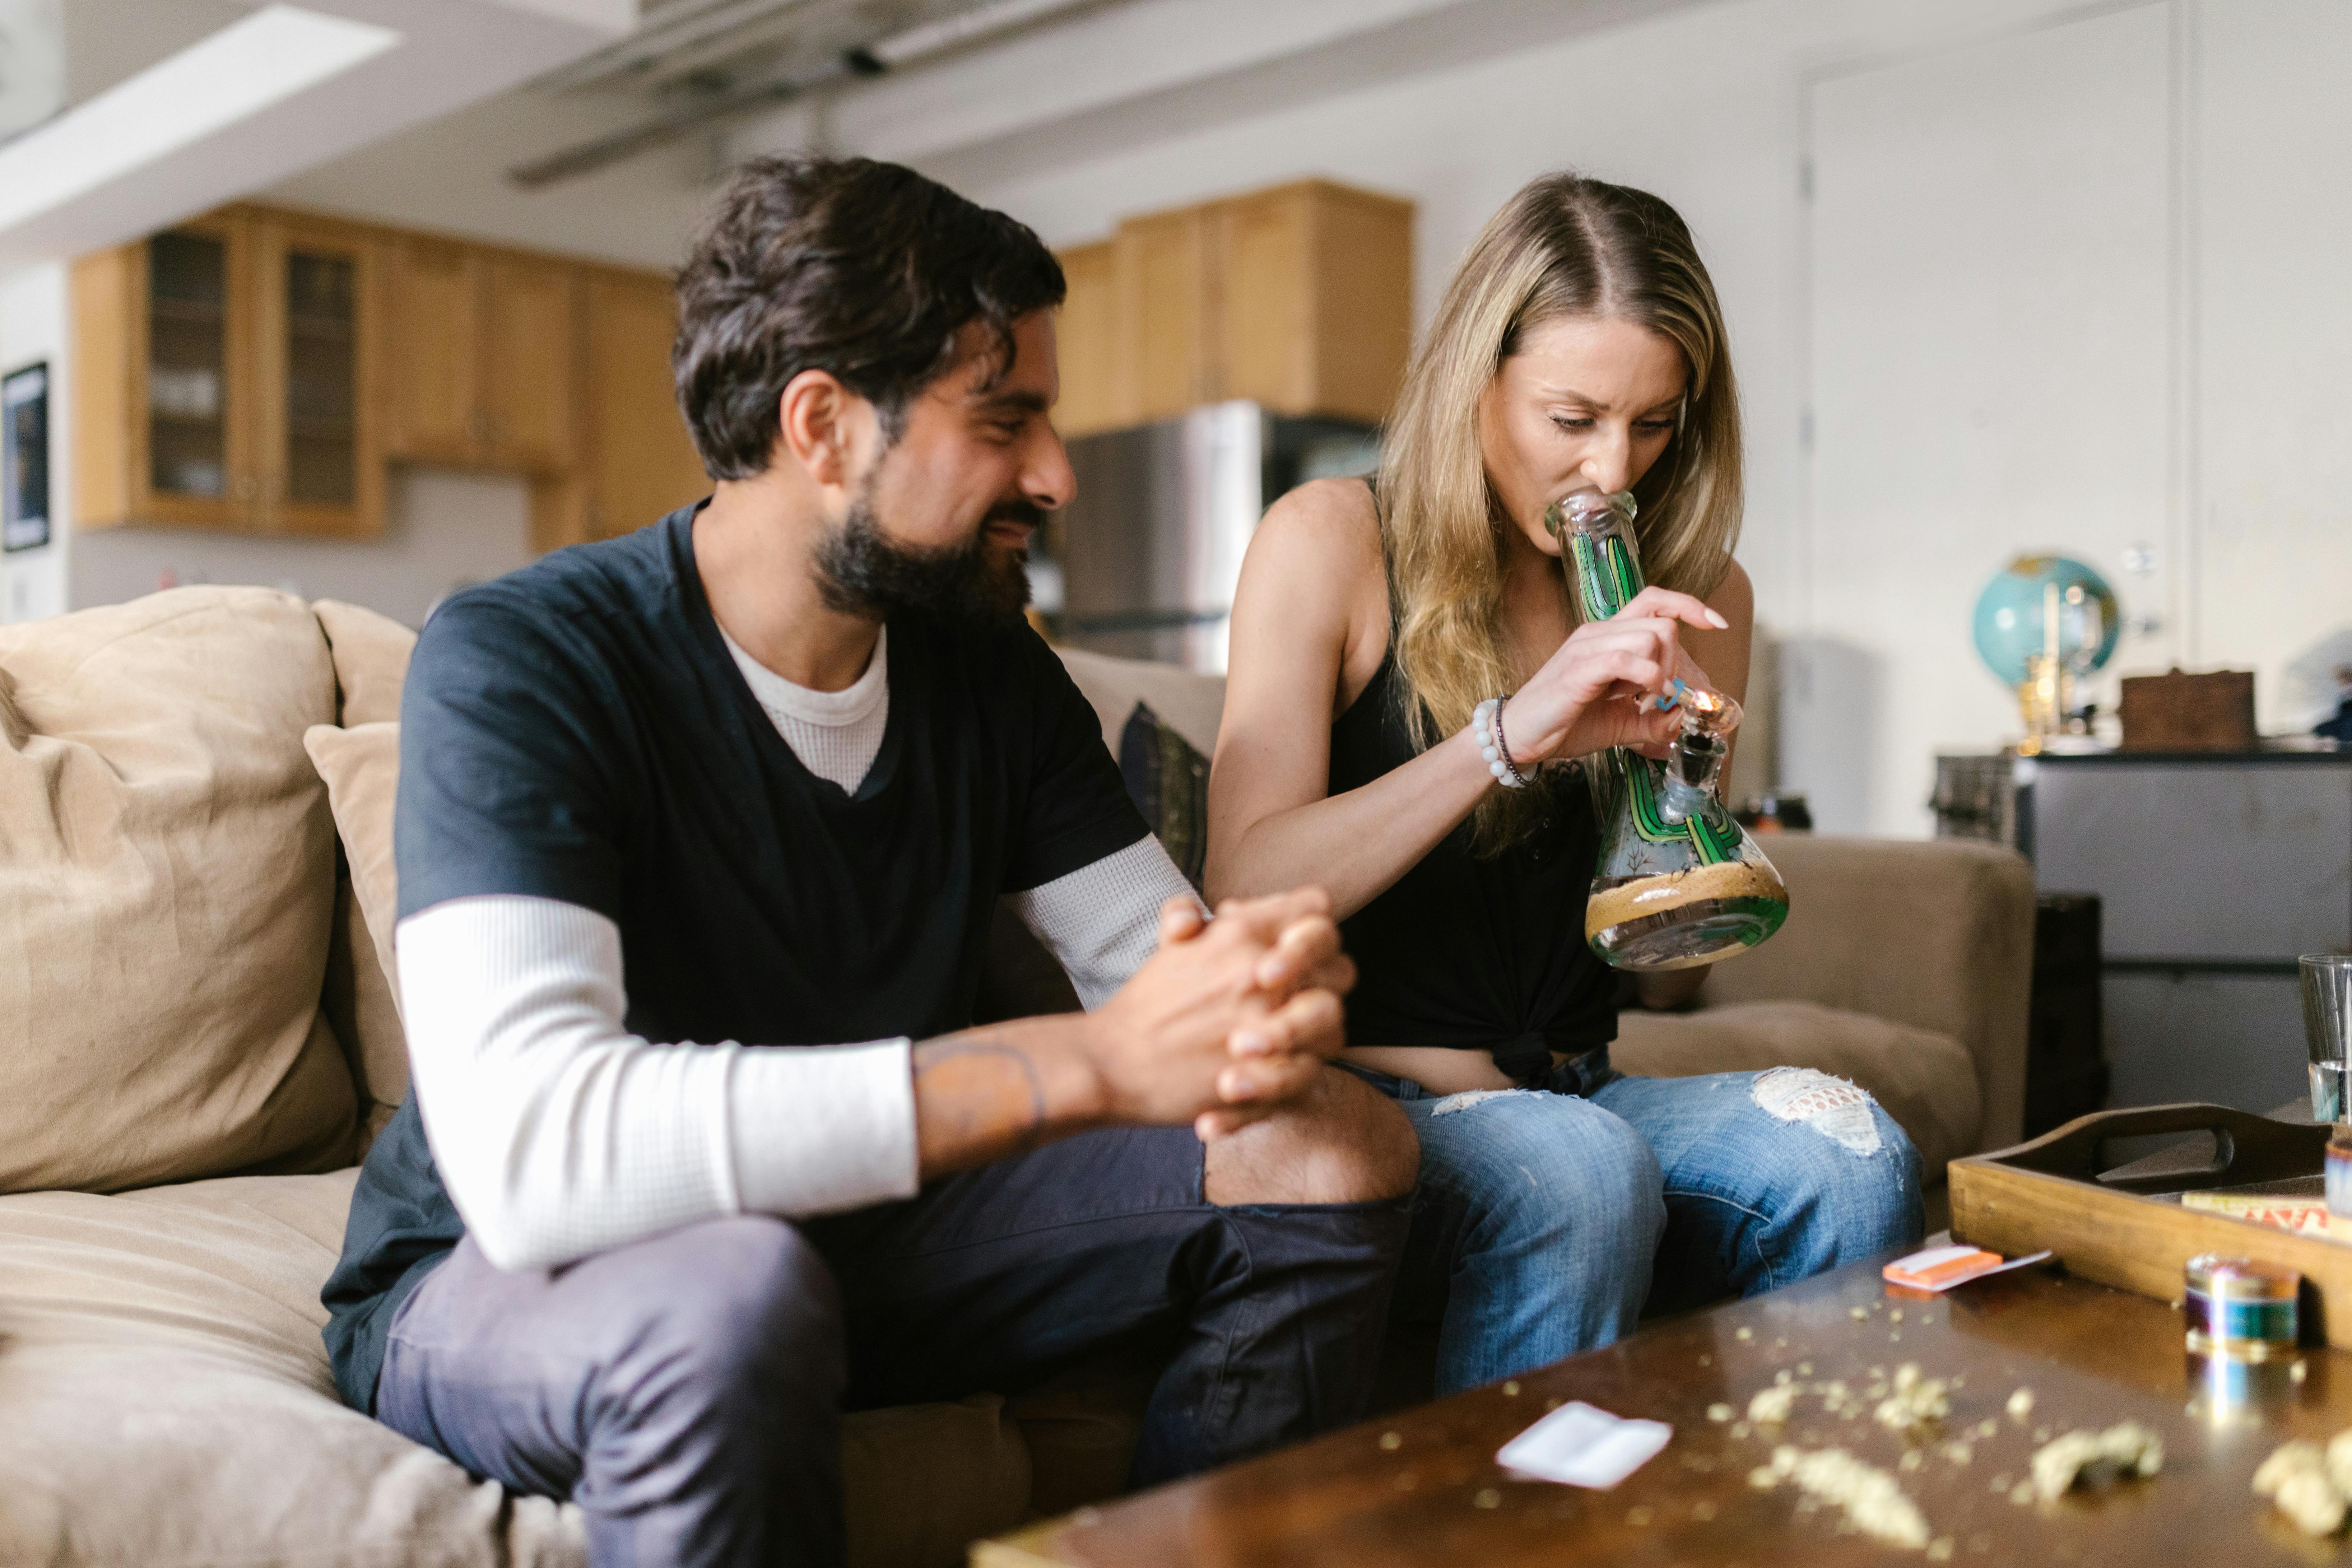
(443, 531)
(1454, 103)
(2270, 213)
(34, 328)
(1699, 104)
(1994, 368)
(1708, 106)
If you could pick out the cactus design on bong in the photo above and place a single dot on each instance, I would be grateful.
(1678, 883)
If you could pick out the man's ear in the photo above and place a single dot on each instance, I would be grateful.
(816, 422)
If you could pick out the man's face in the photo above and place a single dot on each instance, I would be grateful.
(943, 516)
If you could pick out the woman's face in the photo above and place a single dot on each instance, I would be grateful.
(1586, 400)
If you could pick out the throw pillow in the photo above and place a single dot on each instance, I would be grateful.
(371, 654)
(1168, 780)
(361, 770)
(166, 895)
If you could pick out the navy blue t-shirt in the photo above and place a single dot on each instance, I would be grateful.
(578, 731)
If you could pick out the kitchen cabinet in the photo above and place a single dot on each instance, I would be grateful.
(224, 378)
(530, 364)
(488, 358)
(641, 464)
(1165, 278)
(316, 398)
(1085, 336)
(436, 310)
(258, 370)
(262, 370)
(1299, 298)
(1315, 299)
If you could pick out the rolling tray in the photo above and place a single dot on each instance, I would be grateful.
(2124, 1226)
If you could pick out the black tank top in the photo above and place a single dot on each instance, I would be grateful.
(1475, 953)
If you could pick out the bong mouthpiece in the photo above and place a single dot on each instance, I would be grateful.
(1588, 511)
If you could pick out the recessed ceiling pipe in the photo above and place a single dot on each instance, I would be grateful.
(676, 27)
(982, 23)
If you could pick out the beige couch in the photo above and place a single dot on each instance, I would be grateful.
(198, 1038)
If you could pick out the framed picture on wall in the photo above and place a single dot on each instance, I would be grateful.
(25, 458)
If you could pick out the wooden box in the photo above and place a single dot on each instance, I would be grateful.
(2180, 712)
(2128, 1230)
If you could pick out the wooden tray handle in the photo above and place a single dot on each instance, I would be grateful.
(2247, 1148)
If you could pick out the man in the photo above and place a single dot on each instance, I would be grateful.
(756, 776)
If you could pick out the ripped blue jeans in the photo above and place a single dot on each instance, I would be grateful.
(1548, 1220)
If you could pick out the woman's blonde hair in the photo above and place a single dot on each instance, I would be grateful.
(1564, 245)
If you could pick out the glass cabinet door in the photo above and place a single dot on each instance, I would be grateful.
(323, 472)
(321, 379)
(194, 467)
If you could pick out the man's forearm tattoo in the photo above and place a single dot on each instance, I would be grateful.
(970, 1120)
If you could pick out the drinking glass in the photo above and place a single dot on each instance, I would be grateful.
(2327, 1031)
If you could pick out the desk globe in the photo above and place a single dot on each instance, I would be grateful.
(2043, 624)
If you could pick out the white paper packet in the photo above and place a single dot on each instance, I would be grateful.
(1584, 1447)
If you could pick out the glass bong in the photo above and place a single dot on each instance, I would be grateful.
(1678, 883)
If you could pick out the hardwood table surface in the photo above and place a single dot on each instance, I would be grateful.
(1422, 1486)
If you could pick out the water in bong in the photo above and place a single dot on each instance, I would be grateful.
(1679, 882)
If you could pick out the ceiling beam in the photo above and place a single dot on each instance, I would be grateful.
(320, 80)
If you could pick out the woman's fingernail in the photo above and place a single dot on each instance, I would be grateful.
(1250, 1043)
(1715, 619)
(1240, 1086)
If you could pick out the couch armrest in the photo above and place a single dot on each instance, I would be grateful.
(1188, 703)
(1937, 934)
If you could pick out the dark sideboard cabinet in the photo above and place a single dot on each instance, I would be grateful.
(2213, 871)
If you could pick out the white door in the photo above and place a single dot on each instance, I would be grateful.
(1994, 354)
(2272, 530)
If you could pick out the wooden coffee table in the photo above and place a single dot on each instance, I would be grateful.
(1422, 1488)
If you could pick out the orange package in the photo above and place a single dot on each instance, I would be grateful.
(1941, 1267)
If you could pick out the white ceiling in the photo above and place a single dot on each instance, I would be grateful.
(108, 40)
(1082, 75)
(142, 144)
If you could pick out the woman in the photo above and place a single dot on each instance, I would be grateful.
(1580, 346)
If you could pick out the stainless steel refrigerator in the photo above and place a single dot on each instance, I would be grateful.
(1145, 558)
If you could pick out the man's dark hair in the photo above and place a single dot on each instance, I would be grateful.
(867, 270)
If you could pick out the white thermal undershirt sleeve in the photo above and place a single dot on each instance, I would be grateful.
(1102, 920)
(559, 1133)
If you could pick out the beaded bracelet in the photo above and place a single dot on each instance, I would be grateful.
(1488, 719)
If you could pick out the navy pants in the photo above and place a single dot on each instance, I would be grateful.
(686, 1389)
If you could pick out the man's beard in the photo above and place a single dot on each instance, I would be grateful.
(861, 572)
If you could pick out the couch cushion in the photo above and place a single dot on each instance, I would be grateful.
(164, 1399)
(361, 770)
(1924, 1079)
(371, 654)
(1938, 935)
(164, 1396)
(1083, 1426)
(358, 1002)
(922, 1482)
(1190, 704)
(165, 895)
